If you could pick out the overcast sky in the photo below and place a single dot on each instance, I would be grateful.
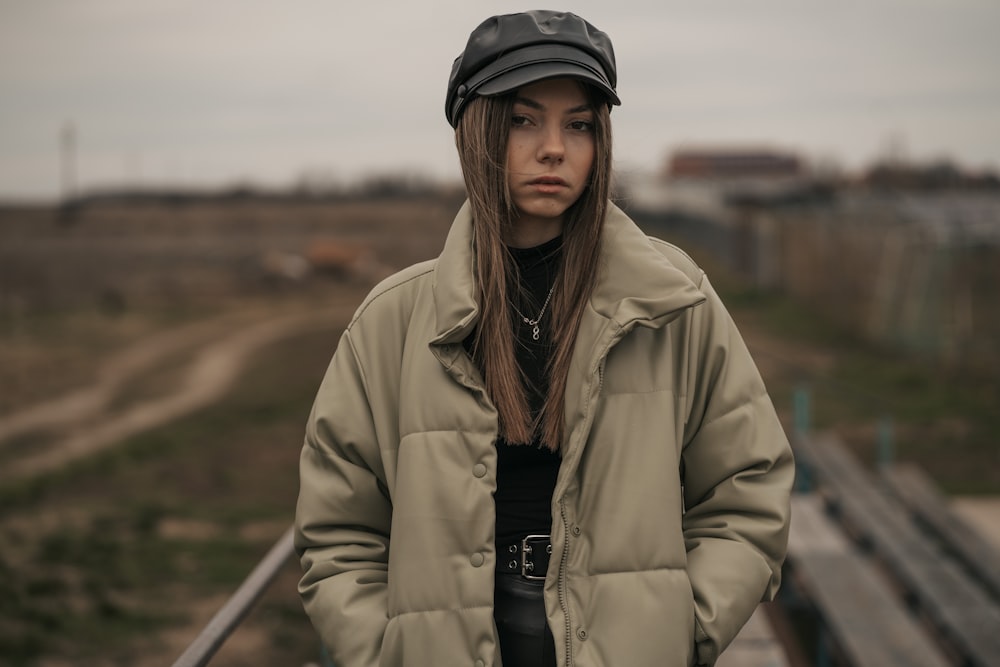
(214, 92)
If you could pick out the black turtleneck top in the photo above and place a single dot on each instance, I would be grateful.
(526, 473)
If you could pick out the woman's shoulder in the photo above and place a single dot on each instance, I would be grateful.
(395, 294)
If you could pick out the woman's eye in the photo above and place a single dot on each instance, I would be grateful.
(582, 126)
(518, 120)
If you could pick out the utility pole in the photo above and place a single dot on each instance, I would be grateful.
(67, 152)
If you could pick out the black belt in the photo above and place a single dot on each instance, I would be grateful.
(527, 557)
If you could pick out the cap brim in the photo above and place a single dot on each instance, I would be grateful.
(528, 74)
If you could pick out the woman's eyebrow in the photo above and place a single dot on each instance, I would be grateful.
(528, 102)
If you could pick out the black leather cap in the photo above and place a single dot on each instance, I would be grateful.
(509, 51)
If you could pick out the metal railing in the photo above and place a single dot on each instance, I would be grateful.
(228, 618)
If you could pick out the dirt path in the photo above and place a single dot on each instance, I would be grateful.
(87, 402)
(219, 350)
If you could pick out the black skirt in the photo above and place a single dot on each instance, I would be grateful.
(519, 611)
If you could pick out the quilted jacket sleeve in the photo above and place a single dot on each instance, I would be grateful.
(343, 517)
(738, 476)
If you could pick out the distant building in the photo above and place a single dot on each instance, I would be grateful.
(714, 183)
(939, 176)
(732, 164)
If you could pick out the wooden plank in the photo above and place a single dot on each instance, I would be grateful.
(982, 513)
(960, 609)
(866, 620)
(911, 485)
(811, 531)
(962, 612)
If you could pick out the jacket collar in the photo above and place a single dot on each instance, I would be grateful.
(454, 282)
(637, 284)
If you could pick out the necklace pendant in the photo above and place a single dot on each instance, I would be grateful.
(536, 333)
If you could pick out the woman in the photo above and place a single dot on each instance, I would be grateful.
(499, 459)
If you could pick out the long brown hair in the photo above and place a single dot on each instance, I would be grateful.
(481, 137)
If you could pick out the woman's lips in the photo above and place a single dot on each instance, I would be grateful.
(548, 184)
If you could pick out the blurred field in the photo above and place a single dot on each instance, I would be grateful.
(120, 557)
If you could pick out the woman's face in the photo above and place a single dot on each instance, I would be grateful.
(549, 156)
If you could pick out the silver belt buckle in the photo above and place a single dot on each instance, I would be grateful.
(526, 549)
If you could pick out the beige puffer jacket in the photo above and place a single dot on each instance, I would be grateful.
(395, 516)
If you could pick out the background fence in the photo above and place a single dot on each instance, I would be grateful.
(917, 272)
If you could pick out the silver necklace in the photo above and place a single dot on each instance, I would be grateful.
(535, 332)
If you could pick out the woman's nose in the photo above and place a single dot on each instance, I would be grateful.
(552, 148)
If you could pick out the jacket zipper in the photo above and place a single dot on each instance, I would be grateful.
(561, 587)
(600, 374)
(562, 583)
